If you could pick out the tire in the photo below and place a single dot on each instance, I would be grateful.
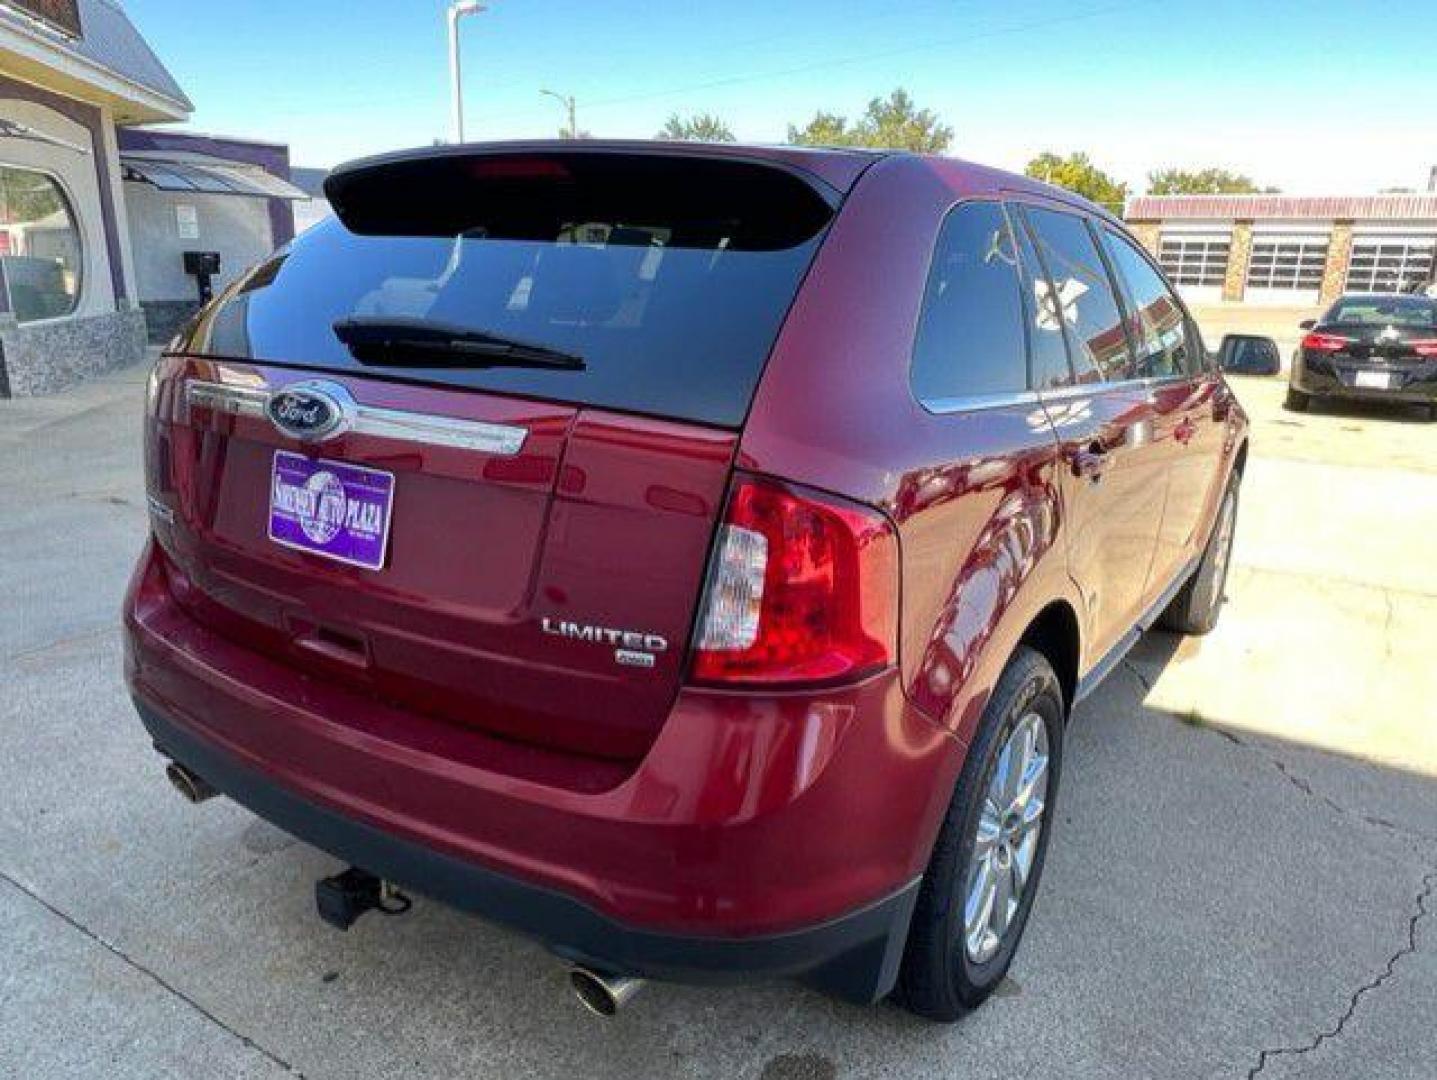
(942, 977)
(1296, 401)
(1196, 607)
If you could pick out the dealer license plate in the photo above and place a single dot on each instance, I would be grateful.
(331, 509)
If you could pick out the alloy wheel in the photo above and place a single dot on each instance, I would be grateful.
(1006, 841)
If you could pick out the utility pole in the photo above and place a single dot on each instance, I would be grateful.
(571, 106)
(457, 10)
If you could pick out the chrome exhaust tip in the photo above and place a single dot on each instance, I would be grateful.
(193, 788)
(603, 995)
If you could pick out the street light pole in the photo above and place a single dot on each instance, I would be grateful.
(457, 10)
(569, 104)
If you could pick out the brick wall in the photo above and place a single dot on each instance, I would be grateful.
(1234, 282)
(1339, 255)
(1148, 234)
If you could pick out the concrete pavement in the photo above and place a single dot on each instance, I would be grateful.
(1241, 881)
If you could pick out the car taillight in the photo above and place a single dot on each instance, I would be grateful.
(802, 588)
(1425, 347)
(1325, 342)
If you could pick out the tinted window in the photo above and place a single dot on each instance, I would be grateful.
(1047, 349)
(970, 331)
(669, 275)
(1383, 311)
(1090, 312)
(1158, 325)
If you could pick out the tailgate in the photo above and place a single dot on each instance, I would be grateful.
(541, 565)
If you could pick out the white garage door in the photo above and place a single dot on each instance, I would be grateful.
(1196, 262)
(1390, 263)
(1286, 269)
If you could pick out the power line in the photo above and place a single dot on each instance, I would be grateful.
(843, 61)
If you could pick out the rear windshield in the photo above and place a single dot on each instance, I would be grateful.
(669, 276)
(1384, 311)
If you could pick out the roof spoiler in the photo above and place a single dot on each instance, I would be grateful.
(531, 191)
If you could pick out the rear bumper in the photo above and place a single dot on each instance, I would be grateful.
(855, 956)
(1418, 388)
(760, 837)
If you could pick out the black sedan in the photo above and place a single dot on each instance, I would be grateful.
(1369, 346)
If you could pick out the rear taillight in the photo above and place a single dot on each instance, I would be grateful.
(1425, 347)
(802, 588)
(1325, 342)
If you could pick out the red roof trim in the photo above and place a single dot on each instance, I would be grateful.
(1320, 207)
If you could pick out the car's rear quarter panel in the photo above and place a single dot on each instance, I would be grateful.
(974, 495)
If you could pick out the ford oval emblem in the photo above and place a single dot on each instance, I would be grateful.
(311, 411)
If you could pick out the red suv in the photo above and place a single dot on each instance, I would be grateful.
(686, 555)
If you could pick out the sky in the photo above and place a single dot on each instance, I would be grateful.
(1313, 96)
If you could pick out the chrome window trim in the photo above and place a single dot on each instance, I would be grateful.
(978, 402)
(981, 402)
(500, 440)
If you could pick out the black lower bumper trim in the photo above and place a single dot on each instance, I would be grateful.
(1328, 387)
(855, 957)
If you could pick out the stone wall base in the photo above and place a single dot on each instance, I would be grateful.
(41, 358)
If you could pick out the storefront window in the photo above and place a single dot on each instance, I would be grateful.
(39, 246)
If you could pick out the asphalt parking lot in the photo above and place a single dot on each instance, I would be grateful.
(1243, 881)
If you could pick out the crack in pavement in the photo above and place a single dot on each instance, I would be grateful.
(1301, 783)
(152, 975)
(1137, 673)
(1304, 785)
(1388, 971)
(1336, 579)
(1387, 624)
(61, 642)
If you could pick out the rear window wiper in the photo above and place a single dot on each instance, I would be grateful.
(397, 341)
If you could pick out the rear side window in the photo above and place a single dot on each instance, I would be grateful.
(970, 331)
(1158, 325)
(1047, 349)
(668, 275)
(1084, 295)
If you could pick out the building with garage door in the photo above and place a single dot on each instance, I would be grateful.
(1289, 250)
(103, 217)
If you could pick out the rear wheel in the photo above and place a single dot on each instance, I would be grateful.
(1196, 607)
(1297, 401)
(983, 875)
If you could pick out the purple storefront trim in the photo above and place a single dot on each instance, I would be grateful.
(272, 159)
(90, 118)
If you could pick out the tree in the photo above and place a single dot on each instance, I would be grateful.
(825, 129)
(1211, 181)
(894, 122)
(1078, 174)
(701, 127)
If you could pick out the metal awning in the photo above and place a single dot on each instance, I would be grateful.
(189, 172)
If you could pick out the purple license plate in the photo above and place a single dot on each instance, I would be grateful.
(332, 509)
